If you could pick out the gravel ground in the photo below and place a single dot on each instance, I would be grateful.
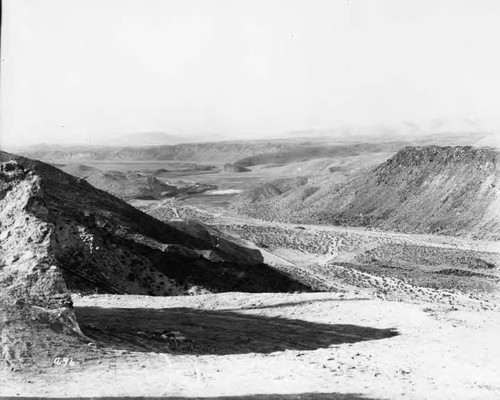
(259, 346)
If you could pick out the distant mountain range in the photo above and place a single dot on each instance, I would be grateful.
(215, 152)
(298, 146)
(144, 139)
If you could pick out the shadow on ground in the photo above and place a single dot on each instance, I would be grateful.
(297, 303)
(195, 331)
(300, 396)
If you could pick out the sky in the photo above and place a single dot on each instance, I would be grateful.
(88, 71)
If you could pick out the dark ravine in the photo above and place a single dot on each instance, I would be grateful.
(59, 234)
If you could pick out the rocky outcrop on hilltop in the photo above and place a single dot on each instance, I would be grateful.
(60, 234)
(431, 189)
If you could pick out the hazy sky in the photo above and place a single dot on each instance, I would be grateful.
(86, 70)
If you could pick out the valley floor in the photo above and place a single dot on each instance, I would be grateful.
(268, 346)
(393, 265)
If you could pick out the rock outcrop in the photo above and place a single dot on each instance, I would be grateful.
(35, 305)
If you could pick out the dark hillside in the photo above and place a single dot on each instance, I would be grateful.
(59, 233)
(107, 237)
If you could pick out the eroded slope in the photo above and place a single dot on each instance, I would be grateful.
(58, 233)
(35, 306)
(445, 190)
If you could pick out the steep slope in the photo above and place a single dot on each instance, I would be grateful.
(101, 237)
(35, 305)
(445, 190)
(58, 233)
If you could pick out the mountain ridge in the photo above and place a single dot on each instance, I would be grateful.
(429, 189)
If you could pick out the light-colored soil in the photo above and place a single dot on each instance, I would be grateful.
(238, 344)
(393, 326)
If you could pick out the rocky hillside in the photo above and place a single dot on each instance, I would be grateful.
(59, 233)
(35, 305)
(118, 246)
(444, 190)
